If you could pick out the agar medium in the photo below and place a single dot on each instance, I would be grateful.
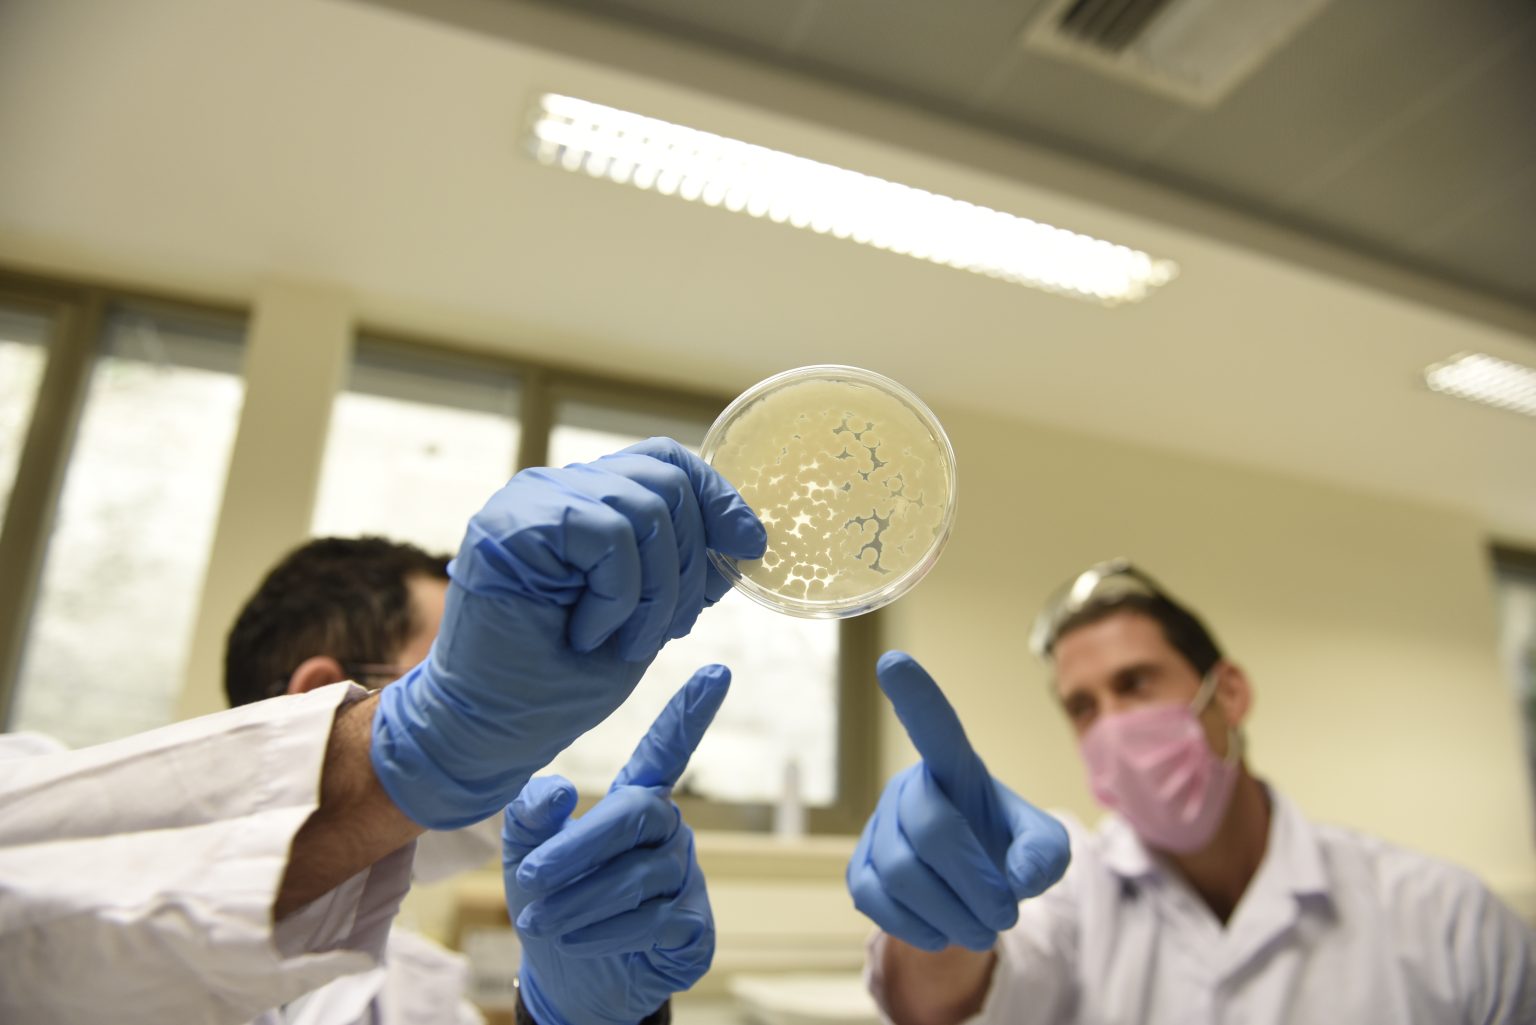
(854, 479)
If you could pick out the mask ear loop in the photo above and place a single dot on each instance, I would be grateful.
(1236, 744)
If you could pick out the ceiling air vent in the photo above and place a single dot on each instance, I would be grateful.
(1196, 51)
(1109, 25)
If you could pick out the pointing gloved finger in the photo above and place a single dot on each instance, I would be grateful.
(918, 888)
(942, 840)
(536, 815)
(626, 818)
(936, 732)
(625, 883)
(664, 751)
(730, 525)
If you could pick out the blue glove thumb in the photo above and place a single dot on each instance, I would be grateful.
(1040, 852)
(538, 813)
(730, 526)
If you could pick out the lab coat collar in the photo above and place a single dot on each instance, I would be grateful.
(1293, 861)
(1291, 878)
(1294, 852)
(1292, 881)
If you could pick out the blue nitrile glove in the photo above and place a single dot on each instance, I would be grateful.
(949, 852)
(567, 584)
(611, 908)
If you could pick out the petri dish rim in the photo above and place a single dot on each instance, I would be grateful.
(869, 601)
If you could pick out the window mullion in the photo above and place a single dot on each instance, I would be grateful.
(538, 411)
(40, 476)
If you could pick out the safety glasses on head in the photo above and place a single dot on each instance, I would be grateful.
(1099, 582)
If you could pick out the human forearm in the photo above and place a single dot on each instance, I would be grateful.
(943, 988)
(356, 824)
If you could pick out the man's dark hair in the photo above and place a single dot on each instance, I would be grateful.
(1182, 628)
(343, 597)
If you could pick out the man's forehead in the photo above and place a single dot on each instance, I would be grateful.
(1103, 647)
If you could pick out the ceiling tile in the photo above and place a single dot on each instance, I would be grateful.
(941, 52)
(1496, 245)
(1446, 160)
(1106, 117)
(1342, 79)
(759, 26)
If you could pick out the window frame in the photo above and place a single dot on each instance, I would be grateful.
(78, 312)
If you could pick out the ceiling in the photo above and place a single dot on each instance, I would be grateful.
(204, 145)
(1403, 128)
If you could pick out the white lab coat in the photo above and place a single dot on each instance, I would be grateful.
(137, 880)
(1335, 927)
(419, 983)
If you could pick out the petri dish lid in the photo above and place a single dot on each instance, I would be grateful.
(854, 479)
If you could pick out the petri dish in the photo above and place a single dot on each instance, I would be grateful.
(854, 479)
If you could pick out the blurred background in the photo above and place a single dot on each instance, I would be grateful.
(272, 269)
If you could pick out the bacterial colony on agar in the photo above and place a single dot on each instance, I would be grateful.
(852, 476)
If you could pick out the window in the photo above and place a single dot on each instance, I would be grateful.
(118, 415)
(23, 354)
(111, 625)
(782, 710)
(1515, 572)
(417, 444)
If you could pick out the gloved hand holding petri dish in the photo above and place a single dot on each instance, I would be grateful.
(854, 479)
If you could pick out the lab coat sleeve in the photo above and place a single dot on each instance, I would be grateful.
(1035, 977)
(137, 878)
(1495, 956)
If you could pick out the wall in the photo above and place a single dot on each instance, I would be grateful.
(1366, 625)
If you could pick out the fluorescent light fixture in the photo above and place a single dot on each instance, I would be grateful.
(631, 149)
(1486, 379)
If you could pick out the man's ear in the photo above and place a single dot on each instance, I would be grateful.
(1234, 694)
(315, 672)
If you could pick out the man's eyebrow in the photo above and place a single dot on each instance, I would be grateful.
(1134, 668)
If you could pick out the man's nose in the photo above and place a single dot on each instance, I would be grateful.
(1113, 704)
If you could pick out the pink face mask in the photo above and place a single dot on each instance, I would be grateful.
(1153, 766)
